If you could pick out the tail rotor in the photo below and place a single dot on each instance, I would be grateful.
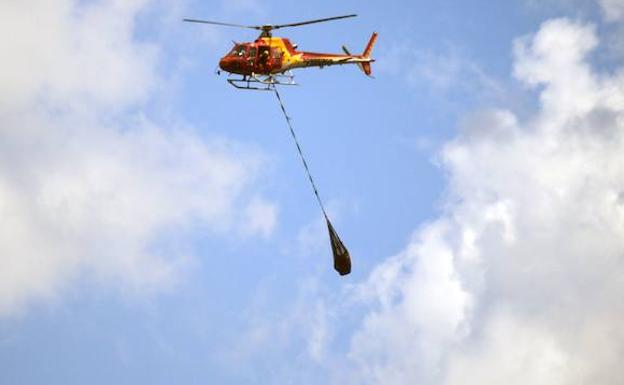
(365, 64)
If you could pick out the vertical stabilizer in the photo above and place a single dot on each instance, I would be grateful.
(365, 66)
(369, 46)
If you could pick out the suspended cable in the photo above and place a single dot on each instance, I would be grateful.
(303, 159)
(342, 259)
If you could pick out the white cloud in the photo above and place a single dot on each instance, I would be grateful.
(312, 238)
(421, 306)
(67, 53)
(522, 352)
(87, 183)
(519, 282)
(282, 345)
(260, 218)
(613, 9)
(448, 74)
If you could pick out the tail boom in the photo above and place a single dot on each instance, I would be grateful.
(314, 59)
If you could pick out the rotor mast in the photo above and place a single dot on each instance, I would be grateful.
(266, 31)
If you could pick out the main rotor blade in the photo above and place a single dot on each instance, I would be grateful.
(312, 21)
(219, 23)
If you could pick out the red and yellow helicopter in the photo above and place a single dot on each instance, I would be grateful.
(269, 60)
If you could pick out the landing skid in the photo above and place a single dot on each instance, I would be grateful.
(263, 82)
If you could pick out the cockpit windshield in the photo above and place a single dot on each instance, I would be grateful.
(238, 50)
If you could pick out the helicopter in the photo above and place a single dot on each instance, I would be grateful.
(268, 61)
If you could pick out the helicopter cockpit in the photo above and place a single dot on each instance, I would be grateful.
(237, 51)
(260, 52)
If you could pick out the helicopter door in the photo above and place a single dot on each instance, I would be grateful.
(276, 58)
(251, 57)
(264, 59)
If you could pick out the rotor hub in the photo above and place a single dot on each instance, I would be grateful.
(266, 30)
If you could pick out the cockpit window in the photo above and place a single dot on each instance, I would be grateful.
(238, 50)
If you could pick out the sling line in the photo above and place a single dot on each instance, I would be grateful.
(342, 259)
(303, 160)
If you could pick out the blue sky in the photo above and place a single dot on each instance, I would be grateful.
(158, 226)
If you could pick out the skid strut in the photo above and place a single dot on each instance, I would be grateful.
(258, 82)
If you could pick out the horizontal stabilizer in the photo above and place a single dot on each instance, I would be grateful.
(361, 66)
